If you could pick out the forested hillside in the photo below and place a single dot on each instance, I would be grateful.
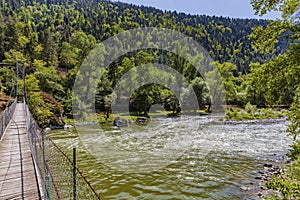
(53, 37)
(226, 39)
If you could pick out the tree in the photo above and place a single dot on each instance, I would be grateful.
(11, 39)
(39, 109)
(141, 102)
(282, 75)
(107, 100)
(172, 104)
(49, 81)
(84, 44)
(68, 56)
(255, 86)
(8, 79)
(14, 56)
(201, 90)
(50, 46)
(32, 83)
(226, 70)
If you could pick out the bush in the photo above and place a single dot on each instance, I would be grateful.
(250, 108)
(251, 113)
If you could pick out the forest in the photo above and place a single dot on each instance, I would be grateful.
(257, 59)
(52, 38)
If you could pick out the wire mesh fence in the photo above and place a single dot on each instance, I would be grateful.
(5, 117)
(58, 176)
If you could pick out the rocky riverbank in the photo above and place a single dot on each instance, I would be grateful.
(257, 187)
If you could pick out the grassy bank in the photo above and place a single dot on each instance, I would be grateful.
(251, 112)
(287, 185)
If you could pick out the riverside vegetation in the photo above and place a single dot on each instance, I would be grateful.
(258, 59)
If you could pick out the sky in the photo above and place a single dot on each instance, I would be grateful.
(226, 8)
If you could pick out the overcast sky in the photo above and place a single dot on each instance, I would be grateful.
(226, 8)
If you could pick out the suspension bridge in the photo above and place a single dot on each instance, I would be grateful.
(17, 173)
(32, 166)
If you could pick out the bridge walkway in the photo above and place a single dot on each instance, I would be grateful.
(17, 173)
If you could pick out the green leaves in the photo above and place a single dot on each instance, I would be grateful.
(32, 83)
(14, 56)
(226, 80)
(294, 117)
(264, 40)
(281, 79)
(49, 81)
(69, 56)
(40, 110)
(278, 78)
(262, 7)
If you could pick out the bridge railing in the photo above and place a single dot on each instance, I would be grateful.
(58, 176)
(6, 116)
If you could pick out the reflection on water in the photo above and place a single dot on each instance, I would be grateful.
(179, 158)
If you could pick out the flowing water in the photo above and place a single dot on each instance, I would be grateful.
(176, 158)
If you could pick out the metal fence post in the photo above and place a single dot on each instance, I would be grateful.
(3, 122)
(2, 129)
(74, 174)
(17, 77)
(47, 178)
(47, 185)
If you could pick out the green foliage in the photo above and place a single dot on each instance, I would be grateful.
(67, 103)
(222, 79)
(69, 56)
(255, 85)
(277, 79)
(172, 104)
(261, 7)
(286, 7)
(49, 81)
(226, 69)
(288, 184)
(265, 39)
(40, 110)
(294, 117)
(20, 87)
(53, 39)
(280, 78)
(252, 113)
(250, 108)
(45, 109)
(63, 34)
(199, 86)
(294, 153)
(32, 83)
(8, 79)
(14, 56)
(83, 44)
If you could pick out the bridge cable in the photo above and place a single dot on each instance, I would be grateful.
(20, 150)
(10, 160)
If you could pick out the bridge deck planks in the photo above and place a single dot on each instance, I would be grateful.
(11, 177)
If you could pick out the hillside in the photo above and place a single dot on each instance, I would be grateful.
(53, 37)
(226, 39)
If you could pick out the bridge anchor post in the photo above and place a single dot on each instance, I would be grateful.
(74, 174)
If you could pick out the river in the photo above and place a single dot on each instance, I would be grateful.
(177, 158)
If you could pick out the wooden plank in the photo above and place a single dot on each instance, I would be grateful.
(17, 175)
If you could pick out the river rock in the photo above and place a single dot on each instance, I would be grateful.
(268, 165)
(68, 126)
(245, 188)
